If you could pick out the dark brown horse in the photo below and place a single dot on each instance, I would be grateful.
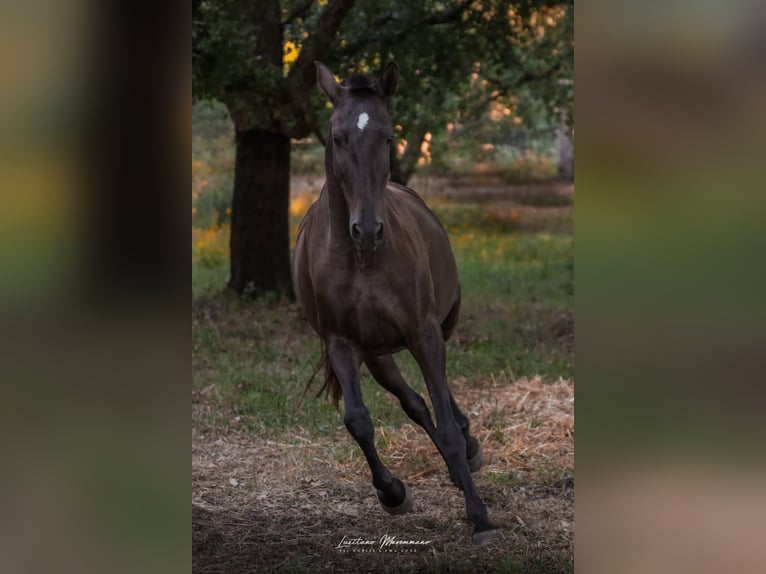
(375, 273)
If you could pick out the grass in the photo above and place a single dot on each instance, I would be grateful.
(251, 363)
(254, 358)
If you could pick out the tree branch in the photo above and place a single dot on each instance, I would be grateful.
(299, 12)
(431, 20)
(302, 76)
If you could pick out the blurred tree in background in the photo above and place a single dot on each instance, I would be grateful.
(458, 59)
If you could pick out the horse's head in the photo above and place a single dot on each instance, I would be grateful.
(358, 148)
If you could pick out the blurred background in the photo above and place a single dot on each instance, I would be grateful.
(670, 329)
(670, 315)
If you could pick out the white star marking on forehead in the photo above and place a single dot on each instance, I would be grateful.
(362, 121)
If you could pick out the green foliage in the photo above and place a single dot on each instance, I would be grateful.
(212, 164)
(308, 159)
(224, 34)
(210, 120)
(521, 165)
(456, 56)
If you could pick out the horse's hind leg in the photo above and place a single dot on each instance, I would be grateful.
(472, 446)
(394, 495)
(387, 373)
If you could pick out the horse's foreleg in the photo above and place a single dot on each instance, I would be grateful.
(394, 495)
(388, 375)
(429, 352)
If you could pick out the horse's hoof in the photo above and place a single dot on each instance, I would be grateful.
(476, 461)
(405, 506)
(486, 536)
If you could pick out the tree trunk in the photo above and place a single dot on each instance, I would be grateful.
(260, 236)
(403, 168)
(396, 167)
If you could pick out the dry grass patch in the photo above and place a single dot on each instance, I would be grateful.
(283, 503)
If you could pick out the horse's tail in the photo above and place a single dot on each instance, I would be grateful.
(331, 384)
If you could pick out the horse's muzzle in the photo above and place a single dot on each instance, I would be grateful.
(367, 237)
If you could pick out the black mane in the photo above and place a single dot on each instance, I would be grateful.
(360, 83)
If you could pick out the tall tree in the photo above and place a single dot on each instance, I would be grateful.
(237, 57)
(244, 54)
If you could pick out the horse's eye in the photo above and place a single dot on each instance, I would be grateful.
(337, 140)
(389, 139)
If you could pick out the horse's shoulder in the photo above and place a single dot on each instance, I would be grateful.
(398, 187)
(411, 197)
(309, 216)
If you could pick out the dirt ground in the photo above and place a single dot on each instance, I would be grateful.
(263, 504)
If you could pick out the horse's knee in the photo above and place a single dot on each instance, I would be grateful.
(359, 424)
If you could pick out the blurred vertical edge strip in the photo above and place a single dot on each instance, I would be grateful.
(671, 322)
(143, 96)
(94, 332)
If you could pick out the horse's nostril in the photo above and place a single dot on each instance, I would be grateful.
(379, 232)
(356, 233)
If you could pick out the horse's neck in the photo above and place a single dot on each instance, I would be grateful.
(338, 208)
(337, 203)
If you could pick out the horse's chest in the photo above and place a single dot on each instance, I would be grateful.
(372, 311)
(377, 301)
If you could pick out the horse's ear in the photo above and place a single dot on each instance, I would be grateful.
(389, 79)
(327, 82)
